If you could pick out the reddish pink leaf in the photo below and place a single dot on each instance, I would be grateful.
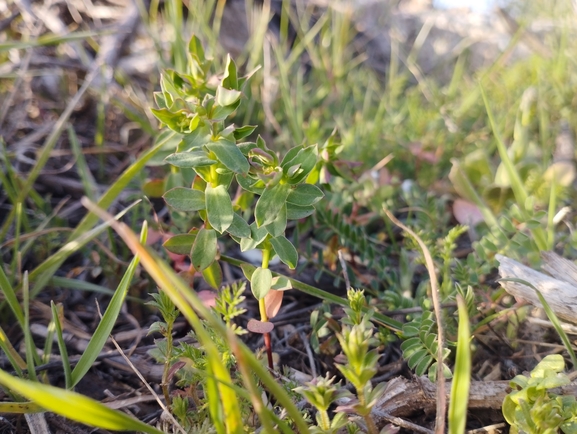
(153, 236)
(260, 327)
(273, 302)
(417, 150)
(467, 213)
(208, 298)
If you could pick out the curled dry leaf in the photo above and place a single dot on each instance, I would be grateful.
(261, 327)
(273, 302)
(208, 298)
(417, 149)
(467, 213)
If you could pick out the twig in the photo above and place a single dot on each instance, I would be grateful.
(309, 354)
(402, 423)
(441, 398)
(488, 428)
(344, 267)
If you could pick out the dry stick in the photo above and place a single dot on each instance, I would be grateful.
(441, 398)
(344, 267)
(403, 423)
(309, 354)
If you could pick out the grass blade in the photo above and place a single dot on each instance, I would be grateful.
(79, 236)
(16, 361)
(80, 285)
(81, 165)
(56, 317)
(462, 374)
(50, 39)
(10, 296)
(31, 355)
(20, 407)
(108, 319)
(516, 183)
(44, 272)
(74, 406)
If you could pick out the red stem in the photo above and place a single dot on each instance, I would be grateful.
(268, 347)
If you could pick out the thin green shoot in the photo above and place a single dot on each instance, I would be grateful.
(57, 317)
(462, 373)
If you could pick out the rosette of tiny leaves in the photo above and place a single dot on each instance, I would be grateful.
(532, 407)
(321, 393)
(361, 367)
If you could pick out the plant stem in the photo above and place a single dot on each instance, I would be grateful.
(323, 295)
(261, 305)
(165, 372)
(325, 420)
(371, 426)
(366, 412)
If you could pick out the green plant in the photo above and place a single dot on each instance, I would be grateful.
(356, 337)
(358, 341)
(533, 408)
(196, 106)
(190, 363)
(420, 347)
(321, 393)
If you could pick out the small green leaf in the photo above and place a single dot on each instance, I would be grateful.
(416, 358)
(213, 275)
(281, 283)
(230, 77)
(154, 188)
(185, 199)
(260, 282)
(304, 195)
(172, 120)
(190, 159)
(229, 155)
(226, 97)
(295, 212)
(423, 364)
(409, 345)
(204, 249)
(245, 147)
(196, 139)
(257, 236)
(285, 250)
(218, 207)
(195, 48)
(242, 132)
(298, 167)
(270, 204)
(180, 244)
(160, 100)
(278, 226)
(239, 227)
(290, 155)
(219, 113)
(247, 270)
(248, 183)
